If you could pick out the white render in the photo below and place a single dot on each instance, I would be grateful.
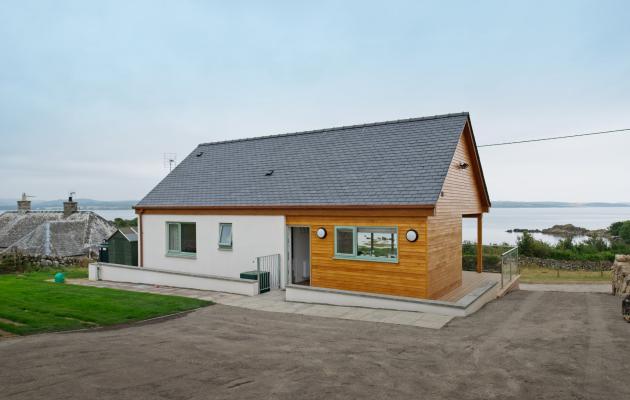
(130, 274)
(252, 236)
(466, 306)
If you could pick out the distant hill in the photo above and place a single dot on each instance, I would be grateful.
(84, 204)
(90, 204)
(552, 204)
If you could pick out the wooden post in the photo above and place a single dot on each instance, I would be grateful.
(480, 243)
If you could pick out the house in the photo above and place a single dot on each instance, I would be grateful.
(121, 247)
(67, 233)
(374, 208)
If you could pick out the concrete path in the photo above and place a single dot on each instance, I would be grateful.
(274, 302)
(568, 287)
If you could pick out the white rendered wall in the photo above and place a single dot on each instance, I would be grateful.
(150, 276)
(252, 236)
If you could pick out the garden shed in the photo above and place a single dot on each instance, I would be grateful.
(122, 246)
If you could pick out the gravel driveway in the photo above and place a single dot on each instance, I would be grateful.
(528, 345)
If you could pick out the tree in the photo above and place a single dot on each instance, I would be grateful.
(123, 223)
(525, 244)
(624, 231)
(616, 227)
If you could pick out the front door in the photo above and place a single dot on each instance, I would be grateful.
(300, 256)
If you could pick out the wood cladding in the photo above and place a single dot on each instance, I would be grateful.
(463, 195)
(407, 277)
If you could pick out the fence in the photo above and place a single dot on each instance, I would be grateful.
(509, 265)
(268, 268)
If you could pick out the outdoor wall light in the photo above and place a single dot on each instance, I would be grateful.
(321, 233)
(411, 235)
(463, 165)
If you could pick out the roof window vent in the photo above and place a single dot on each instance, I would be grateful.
(199, 154)
(269, 173)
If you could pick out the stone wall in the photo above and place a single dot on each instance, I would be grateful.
(564, 264)
(17, 262)
(621, 275)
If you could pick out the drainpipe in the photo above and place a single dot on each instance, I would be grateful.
(141, 238)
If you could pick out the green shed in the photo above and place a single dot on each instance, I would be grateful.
(123, 246)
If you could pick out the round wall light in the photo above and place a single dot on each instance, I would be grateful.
(321, 233)
(411, 235)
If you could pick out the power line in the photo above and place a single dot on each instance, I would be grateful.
(555, 138)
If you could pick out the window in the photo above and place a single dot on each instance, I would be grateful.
(377, 242)
(344, 241)
(367, 243)
(181, 238)
(225, 236)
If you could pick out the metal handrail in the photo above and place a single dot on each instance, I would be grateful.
(511, 272)
(271, 265)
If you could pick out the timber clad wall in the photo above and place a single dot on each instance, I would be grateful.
(408, 277)
(461, 196)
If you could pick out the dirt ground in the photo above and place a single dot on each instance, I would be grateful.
(528, 345)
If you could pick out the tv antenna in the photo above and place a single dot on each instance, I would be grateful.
(170, 161)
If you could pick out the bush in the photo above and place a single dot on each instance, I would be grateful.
(124, 223)
(528, 246)
(624, 231)
(592, 249)
(613, 229)
(565, 243)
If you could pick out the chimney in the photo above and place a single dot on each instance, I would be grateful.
(24, 205)
(70, 206)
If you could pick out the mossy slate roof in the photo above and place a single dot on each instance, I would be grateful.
(401, 162)
(51, 233)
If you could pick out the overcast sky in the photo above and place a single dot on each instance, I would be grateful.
(93, 93)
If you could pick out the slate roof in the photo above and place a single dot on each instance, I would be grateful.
(401, 162)
(130, 233)
(51, 234)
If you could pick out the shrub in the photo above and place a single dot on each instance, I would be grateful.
(565, 243)
(624, 231)
(123, 223)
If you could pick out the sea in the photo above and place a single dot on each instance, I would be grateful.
(499, 220)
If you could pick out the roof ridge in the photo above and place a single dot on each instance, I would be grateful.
(338, 128)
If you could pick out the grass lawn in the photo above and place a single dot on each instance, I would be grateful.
(548, 275)
(29, 304)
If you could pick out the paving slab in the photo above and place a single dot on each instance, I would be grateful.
(274, 301)
(568, 287)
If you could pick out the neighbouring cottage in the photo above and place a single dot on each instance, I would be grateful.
(67, 233)
(374, 208)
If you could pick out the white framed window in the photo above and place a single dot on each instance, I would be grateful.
(367, 243)
(181, 238)
(225, 236)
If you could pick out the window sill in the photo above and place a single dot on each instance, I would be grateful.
(368, 259)
(224, 248)
(181, 255)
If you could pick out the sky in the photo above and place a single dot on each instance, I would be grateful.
(92, 94)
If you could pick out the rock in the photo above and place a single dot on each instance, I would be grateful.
(622, 258)
(566, 230)
(621, 275)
